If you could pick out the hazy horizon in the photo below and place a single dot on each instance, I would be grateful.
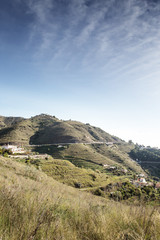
(97, 62)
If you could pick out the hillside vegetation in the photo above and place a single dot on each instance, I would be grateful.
(46, 129)
(92, 156)
(148, 158)
(65, 172)
(9, 121)
(43, 134)
(34, 206)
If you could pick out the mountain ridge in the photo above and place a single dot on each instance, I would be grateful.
(47, 129)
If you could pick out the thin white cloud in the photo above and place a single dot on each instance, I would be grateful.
(101, 34)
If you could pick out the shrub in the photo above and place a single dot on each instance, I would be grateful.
(99, 192)
(77, 185)
(5, 154)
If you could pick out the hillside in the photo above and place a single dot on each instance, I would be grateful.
(92, 156)
(148, 158)
(46, 129)
(35, 132)
(35, 206)
(9, 121)
(67, 173)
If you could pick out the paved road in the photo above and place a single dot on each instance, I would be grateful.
(148, 162)
(53, 144)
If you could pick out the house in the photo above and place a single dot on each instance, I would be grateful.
(109, 167)
(109, 143)
(13, 148)
(106, 165)
(140, 182)
(59, 146)
(112, 167)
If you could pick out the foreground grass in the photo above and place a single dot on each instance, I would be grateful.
(65, 172)
(34, 206)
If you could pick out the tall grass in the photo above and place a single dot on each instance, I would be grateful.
(34, 206)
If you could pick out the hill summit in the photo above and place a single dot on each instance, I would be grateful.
(47, 129)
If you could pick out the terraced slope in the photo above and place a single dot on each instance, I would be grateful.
(92, 156)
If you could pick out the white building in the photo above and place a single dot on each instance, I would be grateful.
(13, 148)
(109, 143)
(106, 165)
(59, 146)
(141, 175)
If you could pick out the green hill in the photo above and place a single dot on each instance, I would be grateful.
(46, 129)
(93, 156)
(36, 132)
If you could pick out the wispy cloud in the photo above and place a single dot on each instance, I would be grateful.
(73, 50)
(96, 34)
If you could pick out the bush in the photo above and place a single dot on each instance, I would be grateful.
(116, 195)
(5, 154)
(99, 192)
(77, 185)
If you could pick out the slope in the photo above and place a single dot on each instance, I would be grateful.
(148, 158)
(46, 129)
(9, 121)
(34, 206)
(92, 156)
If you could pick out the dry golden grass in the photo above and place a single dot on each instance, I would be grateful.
(34, 206)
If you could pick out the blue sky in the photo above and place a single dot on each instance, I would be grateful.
(95, 61)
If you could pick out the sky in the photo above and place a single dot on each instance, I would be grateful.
(95, 61)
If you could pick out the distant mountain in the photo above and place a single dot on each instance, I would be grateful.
(46, 129)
